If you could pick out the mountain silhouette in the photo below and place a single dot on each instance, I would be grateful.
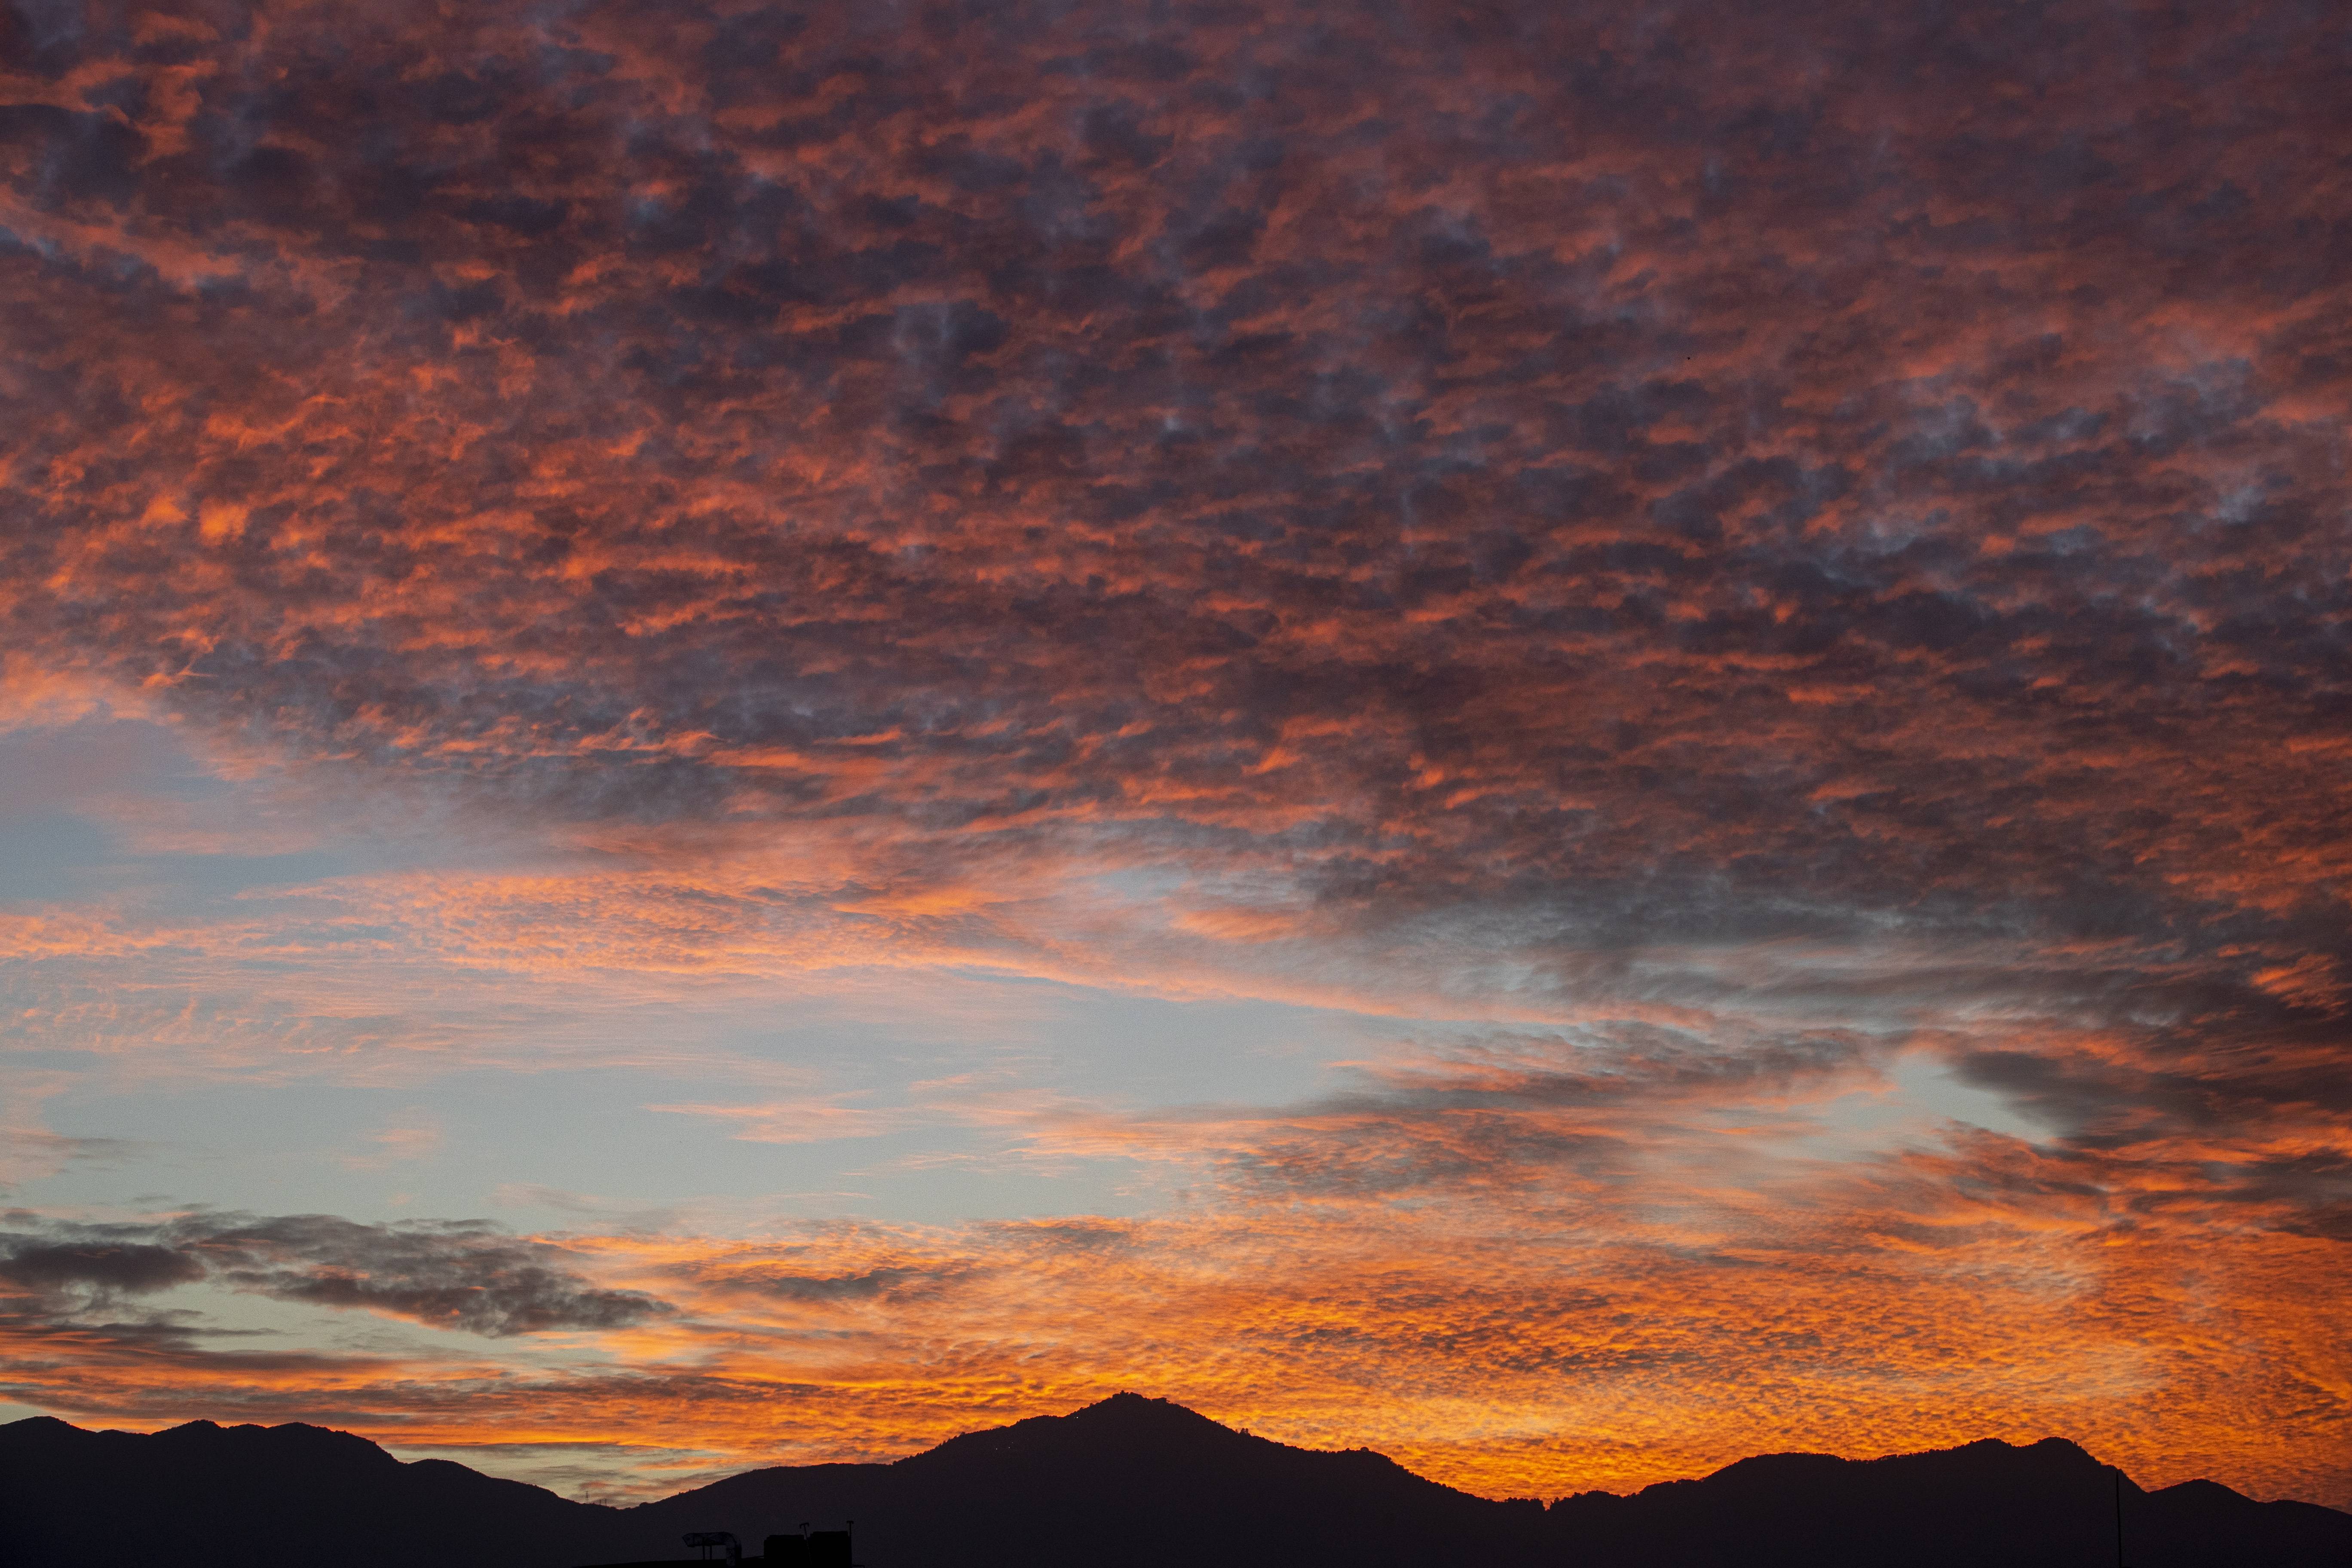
(1988, 1502)
(1134, 1480)
(258, 1496)
(1128, 1481)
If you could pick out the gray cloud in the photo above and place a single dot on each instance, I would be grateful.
(112, 1268)
(447, 1274)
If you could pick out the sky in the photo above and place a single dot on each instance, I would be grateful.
(1573, 740)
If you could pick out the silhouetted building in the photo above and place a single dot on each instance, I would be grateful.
(817, 1549)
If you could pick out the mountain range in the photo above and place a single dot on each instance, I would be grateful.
(1128, 1481)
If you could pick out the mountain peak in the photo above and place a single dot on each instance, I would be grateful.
(1142, 1412)
(1126, 1427)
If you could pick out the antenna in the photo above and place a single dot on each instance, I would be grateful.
(2119, 1515)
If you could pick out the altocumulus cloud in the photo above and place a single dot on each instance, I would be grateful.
(1795, 541)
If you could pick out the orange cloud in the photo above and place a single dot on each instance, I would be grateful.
(1710, 563)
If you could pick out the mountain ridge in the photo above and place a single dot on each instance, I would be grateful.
(1143, 1481)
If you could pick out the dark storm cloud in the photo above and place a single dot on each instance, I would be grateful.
(445, 1274)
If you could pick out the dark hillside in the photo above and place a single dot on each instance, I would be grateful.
(1135, 1480)
(1130, 1481)
(1988, 1502)
(202, 1496)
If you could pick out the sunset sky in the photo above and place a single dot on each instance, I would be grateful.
(1569, 739)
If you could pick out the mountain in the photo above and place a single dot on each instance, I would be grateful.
(1958, 1508)
(202, 1496)
(1130, 1481)
(1136, 1481)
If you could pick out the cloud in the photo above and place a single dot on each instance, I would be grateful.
(396, 1145)
(1516, 1336)
(36, 1151)
(1697, 555)
(443, 1273)
(447, 1275)
(1644, 525)
(796, 1121)
(106, 1268)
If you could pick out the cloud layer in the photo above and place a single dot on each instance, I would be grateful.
(1721, 561)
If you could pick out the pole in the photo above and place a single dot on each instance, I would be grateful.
(2119, 1516)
